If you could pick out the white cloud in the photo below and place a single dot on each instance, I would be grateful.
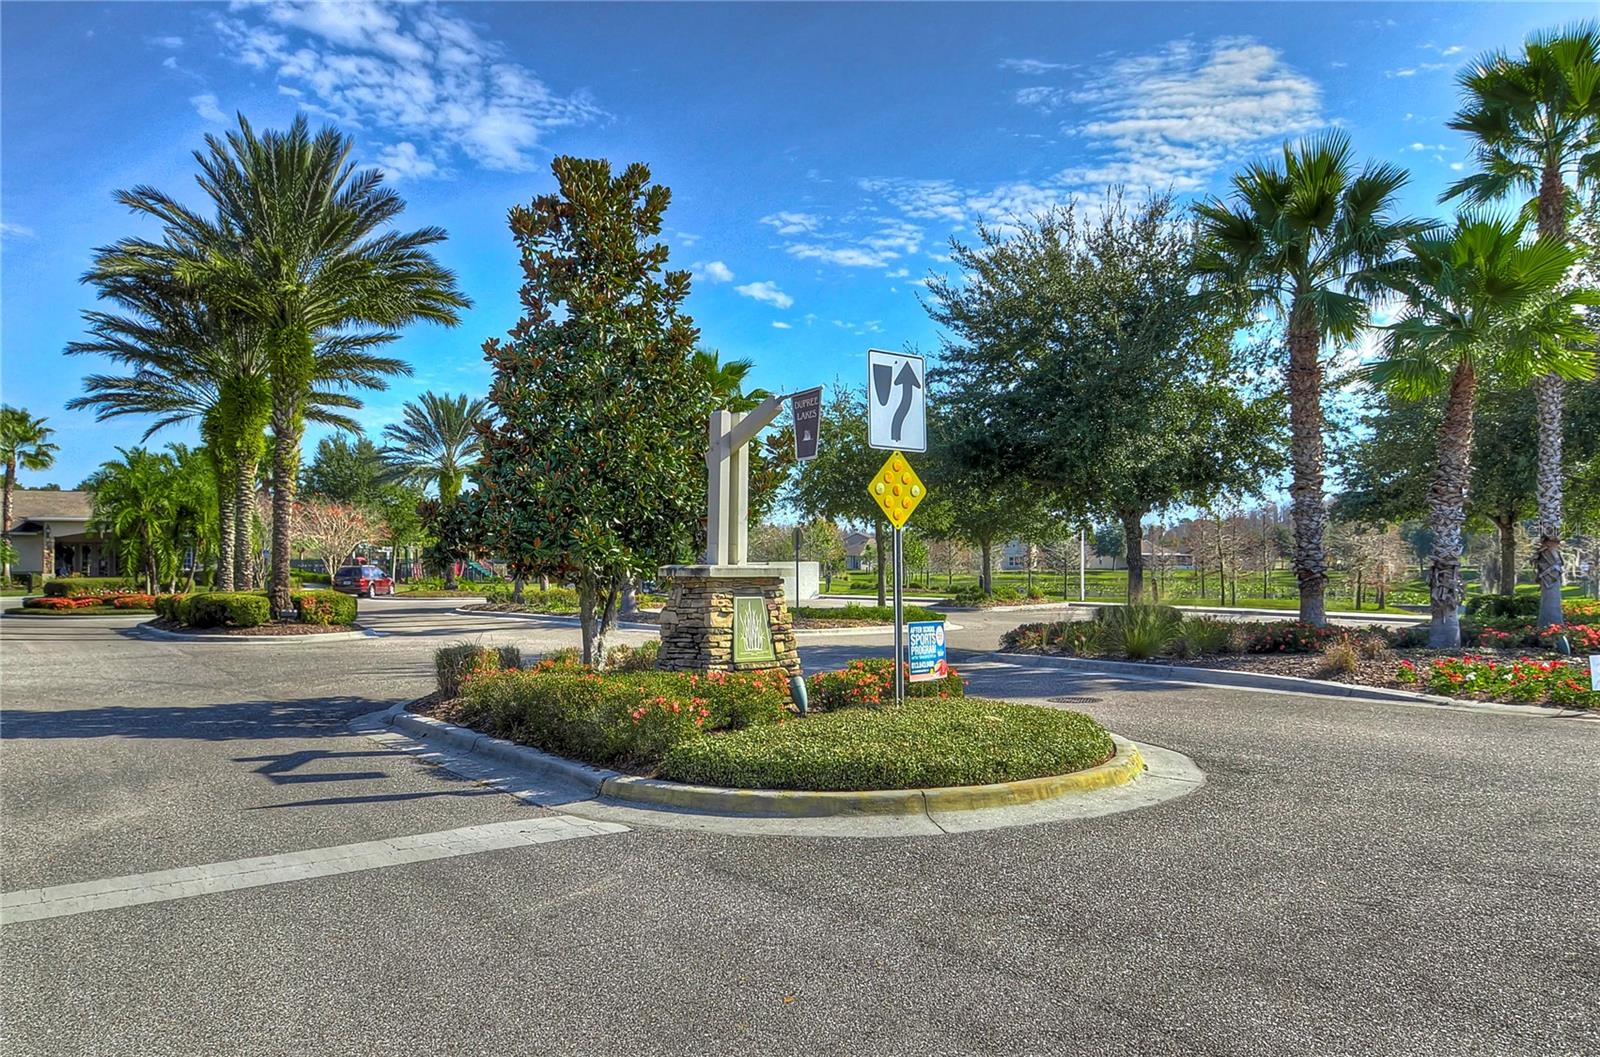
(1043, 97)
(16, 231)
(1172, 117)
(843, 256)
(781, 325)
(898, 273)
(170, 62)
(403, 162)
(793, 223)
(711, 272)
(206, 106)
(767, 293)
(1454, 49)
(1034, 67)
(170, 43)
(416, 71)
(1407, 72)
(1456, 166)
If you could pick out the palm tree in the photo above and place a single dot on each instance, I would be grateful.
(135, 502)
(1481, 304)
(300, 247)
(24, 444)
(436, 442)
(1536, 119)
(1297, 237)
(191, 363)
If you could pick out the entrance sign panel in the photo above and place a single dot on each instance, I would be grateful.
(807, 409)
(752, 635)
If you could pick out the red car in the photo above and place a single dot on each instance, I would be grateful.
(366, 580)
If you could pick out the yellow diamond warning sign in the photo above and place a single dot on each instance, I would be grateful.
(897, 489)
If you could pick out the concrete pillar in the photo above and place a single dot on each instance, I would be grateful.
(717, 484)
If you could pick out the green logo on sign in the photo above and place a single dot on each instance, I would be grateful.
(752, 637)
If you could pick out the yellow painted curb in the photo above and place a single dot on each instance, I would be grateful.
(1123, 767)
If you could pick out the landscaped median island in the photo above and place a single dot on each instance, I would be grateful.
(249, 613)
(741, 730)
(1508, 658)
(88, 597)
(855, 615)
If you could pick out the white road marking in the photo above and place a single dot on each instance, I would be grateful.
(32, 904)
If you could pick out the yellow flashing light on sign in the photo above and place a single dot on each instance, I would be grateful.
(897, 489)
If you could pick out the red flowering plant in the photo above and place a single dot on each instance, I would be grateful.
(868, 683)
(1286, 636)
(1529, 679)
(133, 601)
(1581, 612)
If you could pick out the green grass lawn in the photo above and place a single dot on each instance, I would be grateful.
(1179, 587)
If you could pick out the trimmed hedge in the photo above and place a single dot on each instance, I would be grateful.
(455, 664)
(226, 609)
(1492, 607)
(324, 607)
(856, 611)
(550, 600)
(920, 745)
(78, 586)
(622, 717)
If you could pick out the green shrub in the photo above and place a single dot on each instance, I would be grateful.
(457, 663)
(1140, 631)
(641, 658)
(298, 577)
(922, 744)
(550, 600)
(324, 607)
(868, 682)
(1079, 638)
(1517, 607)
(29, 582)
(967, 595)
(621, 716)
(1204, 637)
(227, 609)
(1340, 657)
(170, 607)
(78, 586)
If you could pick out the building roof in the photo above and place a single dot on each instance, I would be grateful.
(48, 504)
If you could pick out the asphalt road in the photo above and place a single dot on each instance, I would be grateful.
(1353, 879)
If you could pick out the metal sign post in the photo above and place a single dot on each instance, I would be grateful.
(899, 628)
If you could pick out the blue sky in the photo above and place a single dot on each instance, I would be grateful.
(820, 156)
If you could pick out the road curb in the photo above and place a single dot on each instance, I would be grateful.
(145, 631)
(1289, 684)
(1125, 766)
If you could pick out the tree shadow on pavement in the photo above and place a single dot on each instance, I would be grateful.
(322, 717)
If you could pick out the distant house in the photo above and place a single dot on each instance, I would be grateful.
(856, 544)
(50, 530)
(1169, 558)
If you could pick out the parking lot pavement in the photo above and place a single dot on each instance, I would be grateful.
(1355, 878)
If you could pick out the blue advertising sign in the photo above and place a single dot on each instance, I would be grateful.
(925, 650)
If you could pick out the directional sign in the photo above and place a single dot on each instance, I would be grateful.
(806, 406)
(897, 489)
(896, 404)
(925, 654)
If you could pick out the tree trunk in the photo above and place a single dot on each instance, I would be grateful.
(1506, 526)
(1548, 398)
(1132, 542)
(517, 583)
(630, 598)
(222, 578)
(244, 494)
(1305, 428)
(1447, 506)
(285, 463)
(586, 592)
(5, 515)
(877, 535)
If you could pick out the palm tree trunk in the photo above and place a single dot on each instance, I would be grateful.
(223, 580)
(1305, 457)
(1447, 509)
(1548, 399)
(244, 493)
(1133, 545)
(1547, 396)
(5, 515)
(285, 463)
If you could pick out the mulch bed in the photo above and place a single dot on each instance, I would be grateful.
(817, 622)
(260, 631)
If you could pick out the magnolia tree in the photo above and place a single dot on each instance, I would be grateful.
(593, 461)
(330, 531)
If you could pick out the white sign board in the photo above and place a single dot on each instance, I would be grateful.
(1594, 672)
(896, 401)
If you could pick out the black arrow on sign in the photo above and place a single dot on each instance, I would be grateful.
(907, 381)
